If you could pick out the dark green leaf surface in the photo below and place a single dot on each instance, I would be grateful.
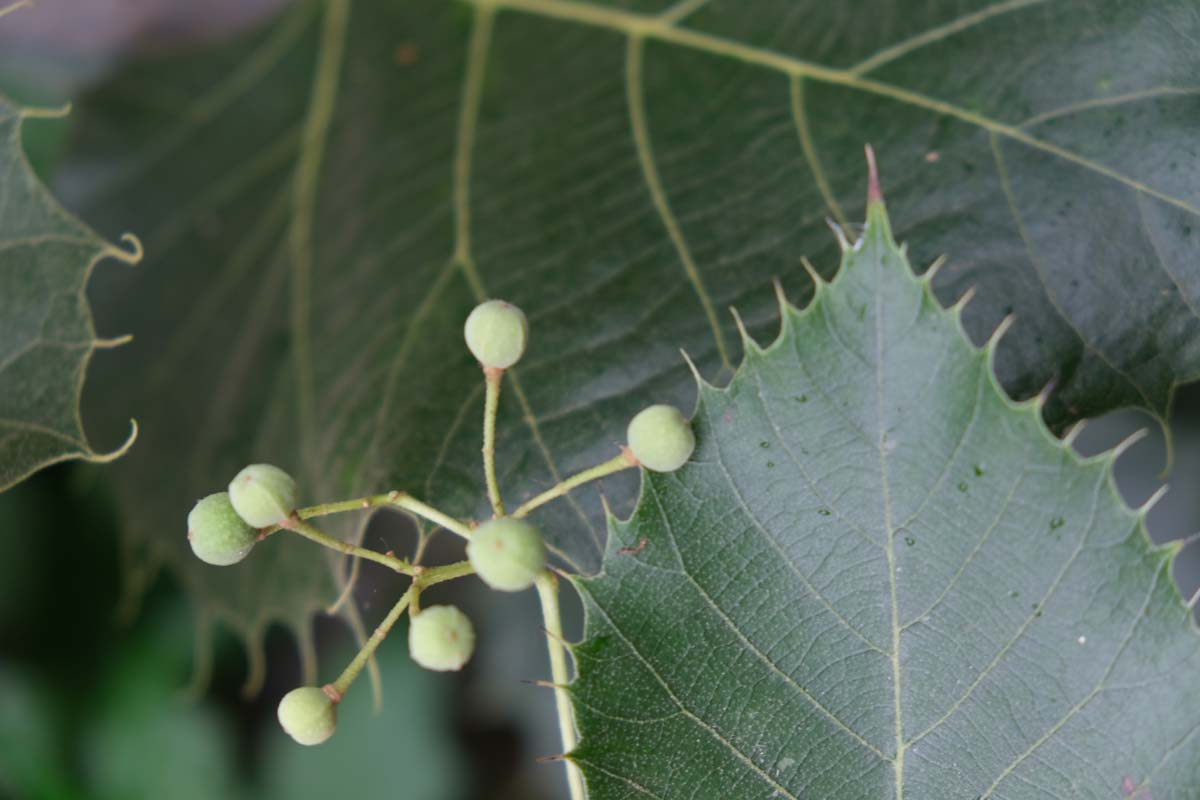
(46, 333)
(325, 199)
(879, 577)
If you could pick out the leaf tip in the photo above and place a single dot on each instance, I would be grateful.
(874, 196)
(877, 217)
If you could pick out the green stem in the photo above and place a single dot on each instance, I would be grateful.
(616, 464)
(354, 667)
(491, 404)
(310, 532)
(424, 577)
(547, 588)
(410, 503)
(396, 499)
(431, 576)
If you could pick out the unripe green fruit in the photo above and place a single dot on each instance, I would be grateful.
(660, 438)
(496, 333)
(507, 554)
(308, 715)
(441, 638)
(216, 532)
(263, 495)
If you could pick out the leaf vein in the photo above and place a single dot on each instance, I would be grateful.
(645, 153)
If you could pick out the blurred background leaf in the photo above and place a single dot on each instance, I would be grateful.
(324, 196)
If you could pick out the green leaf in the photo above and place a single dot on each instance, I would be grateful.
(880, 577)
(46, 332)
(31, 764)
(325, 199)
(143, 737)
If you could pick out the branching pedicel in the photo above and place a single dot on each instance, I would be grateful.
(506, 552)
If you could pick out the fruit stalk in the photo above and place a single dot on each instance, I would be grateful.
(493, 378)
(410, 503)
(312, 533)
(351, 671)
(396, 499)
(622, 461)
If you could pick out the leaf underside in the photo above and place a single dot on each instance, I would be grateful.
(880, 577)
(46, 332)
(324, 200)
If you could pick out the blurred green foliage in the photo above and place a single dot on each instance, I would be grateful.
(94, 708)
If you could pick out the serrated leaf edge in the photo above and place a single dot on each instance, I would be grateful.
(105, 249)
(1034, 406)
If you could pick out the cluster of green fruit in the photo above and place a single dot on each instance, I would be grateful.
(508, 554)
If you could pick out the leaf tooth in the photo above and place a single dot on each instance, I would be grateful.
(933, 269)
(308, 653)
(1043, 397)
(1126, 443)
(843, 242)
(962, 301)
(780, 295)
(202, 658)
(701, 382)
(105, 458)
(819, 283)
(606, 507)
(132, 256)
(748, 344)
(256, 664)
(1073, 433)
(990, 348)
(1152, 500)
(994, 340)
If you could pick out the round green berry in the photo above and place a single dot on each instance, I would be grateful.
(308, 715)
(216, 532)
(508, 554)
(661, 439)
(263, 495)
(441, 638)
(496, 333)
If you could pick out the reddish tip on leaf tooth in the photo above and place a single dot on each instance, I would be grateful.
(873, 193)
